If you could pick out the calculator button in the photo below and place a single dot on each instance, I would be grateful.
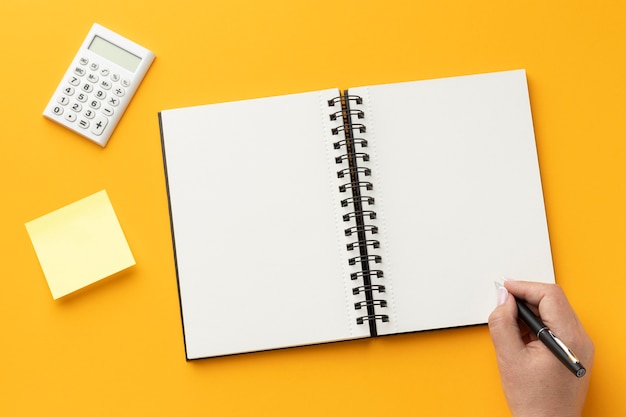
(104, 72)
(113, 101)
(126, 82)
(83, 61)
(94, 66)
(76, 107)
(58, 110)
(83, 123)
(98, 125)
(70, 117)
(82, 97)
(115, 77)
(88, 88)
(69, 91)
(93, 78)
(74, 80)
(80, 71)
(100, 94)
(119, 91)
(106, 84)
(90, 114)
(107, 111)
(94, 104)
(63, 100)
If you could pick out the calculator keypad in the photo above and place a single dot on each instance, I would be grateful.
(91, 95)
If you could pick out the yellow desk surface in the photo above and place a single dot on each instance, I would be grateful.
(116, 348)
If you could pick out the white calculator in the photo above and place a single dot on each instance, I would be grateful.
(99, 84)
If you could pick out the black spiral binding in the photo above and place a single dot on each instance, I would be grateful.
(357, 186)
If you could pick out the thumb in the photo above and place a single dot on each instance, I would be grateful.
(504, 328)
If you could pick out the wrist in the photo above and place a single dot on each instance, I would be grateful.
(546, 412)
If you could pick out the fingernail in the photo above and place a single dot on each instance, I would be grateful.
(501, 296)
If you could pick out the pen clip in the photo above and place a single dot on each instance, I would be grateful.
(572, 357)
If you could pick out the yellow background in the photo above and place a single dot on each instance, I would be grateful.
(116, 349)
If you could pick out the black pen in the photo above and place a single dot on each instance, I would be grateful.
(556, 346)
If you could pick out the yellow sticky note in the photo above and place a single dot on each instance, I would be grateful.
(80, 244)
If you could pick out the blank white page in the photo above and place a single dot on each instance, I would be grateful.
(254, 203)
(458, 195)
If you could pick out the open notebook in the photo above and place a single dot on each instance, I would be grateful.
(328, 215)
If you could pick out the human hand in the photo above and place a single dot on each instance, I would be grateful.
(535, 383)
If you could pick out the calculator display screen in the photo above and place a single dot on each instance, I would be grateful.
(114, 53)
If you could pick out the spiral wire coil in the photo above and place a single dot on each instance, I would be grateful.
(356, 186)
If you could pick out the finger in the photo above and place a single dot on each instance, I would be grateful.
(549, 299)
(554, 309)
(505, 331)
(534, 292)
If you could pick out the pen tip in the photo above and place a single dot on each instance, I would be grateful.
(498, 285)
